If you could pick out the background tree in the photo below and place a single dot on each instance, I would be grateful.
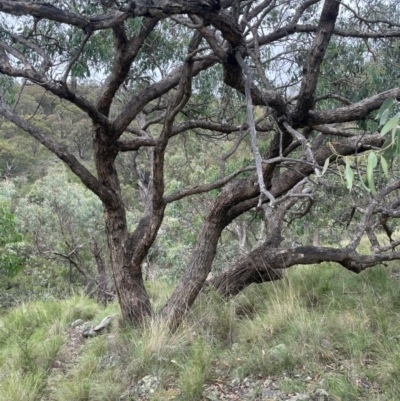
(214, 70)
(63, 221)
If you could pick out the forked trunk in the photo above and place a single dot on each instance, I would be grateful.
(132, 296)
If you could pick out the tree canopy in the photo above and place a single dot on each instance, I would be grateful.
(272, 102)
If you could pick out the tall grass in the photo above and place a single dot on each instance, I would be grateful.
(320, 327)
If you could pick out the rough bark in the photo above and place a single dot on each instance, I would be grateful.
(227, 33)
(101, 281)
(267, 264)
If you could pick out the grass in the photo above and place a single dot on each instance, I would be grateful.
(320, 328)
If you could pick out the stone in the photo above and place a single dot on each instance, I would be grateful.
(147, 385)
(77, 323)
(320, 395)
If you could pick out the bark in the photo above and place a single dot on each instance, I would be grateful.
(267, 264)
(132, 296)
(140, 8)
(312, 65)
(229, 42)
(249, 270)
(101, 281)
(195, 275)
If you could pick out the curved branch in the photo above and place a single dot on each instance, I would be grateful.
(355, 111)
(78, 53)
(308, 28)
(125, 53)
(198, 189)
(141, 99)
(57, 89)
(88, 179)
(155, 8)
(313, 63)
(267, 264)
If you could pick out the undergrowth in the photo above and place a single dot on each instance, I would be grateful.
(321, 327)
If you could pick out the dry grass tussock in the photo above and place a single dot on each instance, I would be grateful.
(320, 329)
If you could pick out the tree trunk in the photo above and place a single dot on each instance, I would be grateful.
(195, 275)
(132, 295)
(101, 275)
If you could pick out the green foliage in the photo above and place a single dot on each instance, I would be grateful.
(11, 243)
(7, 89)
(389, 123)
(62, 220)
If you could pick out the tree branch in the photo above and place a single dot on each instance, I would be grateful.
(356, 111)
(198, 189)
(316, 54)
(89, 180)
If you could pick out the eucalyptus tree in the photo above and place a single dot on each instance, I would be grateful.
(291, 72)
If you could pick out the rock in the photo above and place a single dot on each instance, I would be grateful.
(320, 395)
(235, 382)
(147, 385)
(92, 331)
(104, 323)
(77, 323)
(89, 332)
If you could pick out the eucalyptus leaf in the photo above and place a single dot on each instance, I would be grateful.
(390, 125)
(384, 117)
(362, 181)
(326, 164)
(371, 164)
(387, 104)
(384, 167)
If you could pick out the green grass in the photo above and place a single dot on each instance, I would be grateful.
(320, 327)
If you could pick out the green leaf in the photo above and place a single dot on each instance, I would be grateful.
(390, 125)
(386, 105)
(326, 164)
(362, 181)
(384, 117)
(371, 164)
(349, 175)
(389, 148)
(384, 167)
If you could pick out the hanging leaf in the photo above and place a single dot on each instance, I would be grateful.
(390, 125)
(389, 148)
(384, 117)
(371, 164)
(384, 167)
(362, 181)
(349, 175)
(326, 164)
(386, 105)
